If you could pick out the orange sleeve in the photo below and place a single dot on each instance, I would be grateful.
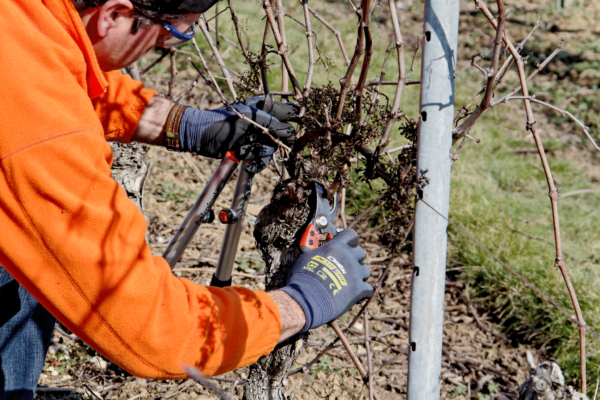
(121, 106)
(73, 239)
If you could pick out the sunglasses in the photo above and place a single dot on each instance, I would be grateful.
(175, 37)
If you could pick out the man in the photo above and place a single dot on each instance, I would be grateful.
(71, 239)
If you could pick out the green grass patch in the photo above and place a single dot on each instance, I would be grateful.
(496, 192)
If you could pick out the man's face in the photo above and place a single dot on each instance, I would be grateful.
(129, 47)
(109, 28)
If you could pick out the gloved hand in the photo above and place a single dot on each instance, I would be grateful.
(328, 281)
(282, 110)
(212, 133)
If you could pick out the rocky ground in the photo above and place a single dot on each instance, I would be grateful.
(478, 361)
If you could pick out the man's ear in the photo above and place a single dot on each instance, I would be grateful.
(111, 14)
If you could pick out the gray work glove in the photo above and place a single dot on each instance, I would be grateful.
(211, 133)
(328, 281)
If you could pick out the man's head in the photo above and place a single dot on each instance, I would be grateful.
(122, 31)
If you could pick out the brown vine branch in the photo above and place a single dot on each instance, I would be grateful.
(492, 73)
(365, 24)
(282, 48)
(466, 126)
(555, 108)
(337, 33)
(279, 17)
(216, 17)
(235, 20)
(385, 138)
(212, 84)
(359, 50)
(385, 153)
(392, 83)
(311, 58)
(217, 55)
(174, 73)
(553, 192)
(153, 63)
(364, 213)
(576, 192)
(263, 58)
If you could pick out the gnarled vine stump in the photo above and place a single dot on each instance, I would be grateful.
(277, 231)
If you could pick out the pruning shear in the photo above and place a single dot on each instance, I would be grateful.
(322, 220)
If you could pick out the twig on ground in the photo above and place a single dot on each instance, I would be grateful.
(369, 355)
(313, 387)
(355, 359)
(60, 330)
(173, 391)
(476, 316)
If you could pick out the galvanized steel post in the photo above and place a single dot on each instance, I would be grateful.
(430, 238)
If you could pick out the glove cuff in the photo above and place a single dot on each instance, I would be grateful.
(313, 298)
(171, 131)
(190, 130)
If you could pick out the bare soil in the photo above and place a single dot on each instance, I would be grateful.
(475, 355)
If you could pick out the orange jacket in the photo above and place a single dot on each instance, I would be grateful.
(68, 232)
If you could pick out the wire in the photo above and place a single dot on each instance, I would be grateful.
(521, 277)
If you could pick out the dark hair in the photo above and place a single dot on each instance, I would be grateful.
(142, 20)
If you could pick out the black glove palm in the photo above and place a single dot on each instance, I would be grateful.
(212, 133)
(328, 281)
(282, 110)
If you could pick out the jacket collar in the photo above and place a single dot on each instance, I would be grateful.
(66, 13)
